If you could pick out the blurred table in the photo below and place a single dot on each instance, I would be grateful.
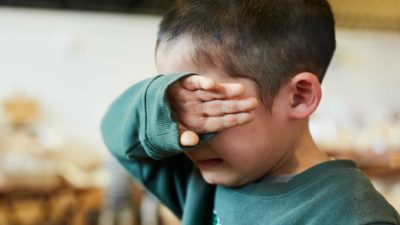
(58, 205)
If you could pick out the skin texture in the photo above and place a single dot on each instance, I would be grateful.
(252, 141)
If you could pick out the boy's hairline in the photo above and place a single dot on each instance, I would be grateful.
(220, 72)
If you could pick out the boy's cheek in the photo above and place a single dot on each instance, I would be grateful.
(232, 138)
(201, 151)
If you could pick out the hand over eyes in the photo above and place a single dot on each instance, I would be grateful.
(202, 105)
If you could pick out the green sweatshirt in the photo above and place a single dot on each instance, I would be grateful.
(140, 132)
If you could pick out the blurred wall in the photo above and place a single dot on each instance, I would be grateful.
(75, 63)
(364, 76)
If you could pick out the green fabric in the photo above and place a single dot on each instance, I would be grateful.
(334, 192)
(140, 132)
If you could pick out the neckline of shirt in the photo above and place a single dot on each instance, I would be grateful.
(266, 187)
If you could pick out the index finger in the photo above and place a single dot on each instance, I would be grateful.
(197, 82)
(207, 87)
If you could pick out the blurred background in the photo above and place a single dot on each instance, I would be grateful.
(63, 62)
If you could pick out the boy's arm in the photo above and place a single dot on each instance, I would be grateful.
(138, 129)
(139, 122)
(143, 132)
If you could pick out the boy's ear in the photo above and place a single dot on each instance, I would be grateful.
(305, 95)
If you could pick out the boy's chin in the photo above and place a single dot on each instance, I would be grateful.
(226, 181)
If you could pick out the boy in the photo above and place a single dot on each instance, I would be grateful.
(228, 142)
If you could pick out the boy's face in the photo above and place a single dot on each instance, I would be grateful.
(242, 154)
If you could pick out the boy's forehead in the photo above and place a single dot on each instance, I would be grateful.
(179, 55)
(173, 54)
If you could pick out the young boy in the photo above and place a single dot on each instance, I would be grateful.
(228, 141)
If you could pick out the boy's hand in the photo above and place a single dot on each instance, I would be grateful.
(202, 105)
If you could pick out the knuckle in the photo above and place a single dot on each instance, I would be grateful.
(229, 120)
(194, 80)
(203, 95)
(191, 118)
(196, 124)
(229, 107)
(217, 95)
(243, 118)
(213, 108)
(212, 125)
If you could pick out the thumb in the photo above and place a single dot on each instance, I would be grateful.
(189, 138)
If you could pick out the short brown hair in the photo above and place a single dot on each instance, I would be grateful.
(267, 41)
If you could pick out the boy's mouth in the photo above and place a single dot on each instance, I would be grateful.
(208, 163)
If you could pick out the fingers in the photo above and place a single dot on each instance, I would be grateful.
(222, 91)
(222, 107)
(202, 105)
(230, 90)
(214, 124)
(207, 89)
(197, 82)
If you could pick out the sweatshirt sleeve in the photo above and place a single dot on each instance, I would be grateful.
(140, 132)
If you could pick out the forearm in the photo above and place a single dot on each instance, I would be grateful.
(140, 132)
(139, 123)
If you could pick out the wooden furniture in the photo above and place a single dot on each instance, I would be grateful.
(61, 205)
